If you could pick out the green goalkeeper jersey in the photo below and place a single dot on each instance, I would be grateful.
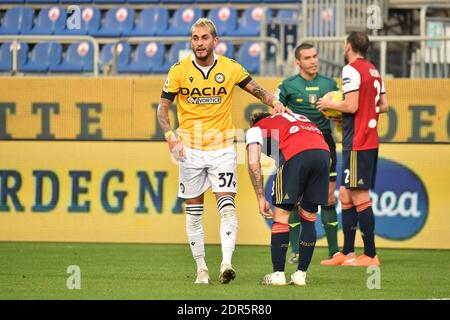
(300, 95)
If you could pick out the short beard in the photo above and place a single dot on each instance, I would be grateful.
(345, 59)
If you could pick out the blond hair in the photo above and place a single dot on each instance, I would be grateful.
(205, 23)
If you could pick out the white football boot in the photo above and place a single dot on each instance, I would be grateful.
(274, 279)
(298, 278)
(203, 277)
(227, 273)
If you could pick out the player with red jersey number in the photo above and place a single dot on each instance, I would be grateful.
(365, 98)
(302, 175)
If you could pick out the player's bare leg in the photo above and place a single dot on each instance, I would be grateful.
(228, 233)
(196, 236)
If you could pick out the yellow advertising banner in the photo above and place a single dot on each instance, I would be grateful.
(71, 108)
(100, 191)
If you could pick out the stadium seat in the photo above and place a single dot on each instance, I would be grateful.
(42, 1)
(248, 56)
(76, 1)
(89, 22)
(123, 54)
(108, 1)
(246, 1)
(150, 21)
(17, 20)
(322, 22)
(250, 22)
(50, 21)
(225, 19)
(6, 55)
(182, 21)
(288, 16)
(144, 1)
(118, 21)
(78, 58)
(176, 1)
(225, 48)
(11, 1)
(43, 56)
(145, 58)
(211, 1)
(173, 56)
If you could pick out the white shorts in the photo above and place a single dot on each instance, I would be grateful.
(203, 169)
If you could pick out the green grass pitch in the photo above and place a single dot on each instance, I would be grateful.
(155, 271)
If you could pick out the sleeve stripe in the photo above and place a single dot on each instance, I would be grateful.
(351, 91)
(244, 82)
(168, 95)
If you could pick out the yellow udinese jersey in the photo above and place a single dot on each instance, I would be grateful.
(204, 100)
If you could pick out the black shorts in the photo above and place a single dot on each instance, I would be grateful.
(359, 168)
(304, 176)
(333, 158)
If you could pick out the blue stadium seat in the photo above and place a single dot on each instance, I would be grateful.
(145, 58)
(143, 1)
(322, 22)
(118, 21)
(250, 22)
(90, 22)
(225, 19)
(248, 56)
(211, 1)
(43, 56)
(17, 20)
(11, 1)
(76, 1)
(288, 15)
(78, 58)
(282, 1)
(50, 21)
(176, 1)
(150, 21)
(182, 21)
(225, 48)
(246, 1)
(173, 56)
(42, 1)
(6, 55)
(123, 54)
(109, 1)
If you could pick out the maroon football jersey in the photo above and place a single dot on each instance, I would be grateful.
(360, 128)
(293, 133)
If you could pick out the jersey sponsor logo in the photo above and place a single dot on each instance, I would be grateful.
(346, 81)
(400, 205)
(204, 100)
(208, 91)
(374, 73)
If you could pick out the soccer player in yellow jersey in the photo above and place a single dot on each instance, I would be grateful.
(203, 84)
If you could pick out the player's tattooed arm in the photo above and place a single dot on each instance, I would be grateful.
(175, 145)
(254, 168)
(265, 96)
(255, 172)
(259, 92)
(163, 114)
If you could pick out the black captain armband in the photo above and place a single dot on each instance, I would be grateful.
(168, 95)
(244, 82)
